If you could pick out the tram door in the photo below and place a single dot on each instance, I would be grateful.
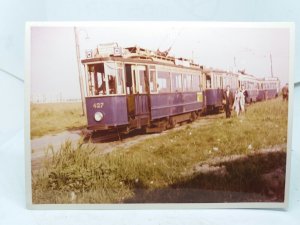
(137, 87)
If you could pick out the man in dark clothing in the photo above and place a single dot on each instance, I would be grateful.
(227, 101)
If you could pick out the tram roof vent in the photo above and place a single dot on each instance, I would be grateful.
(109, 49)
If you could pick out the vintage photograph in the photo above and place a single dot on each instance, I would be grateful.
(158, 112)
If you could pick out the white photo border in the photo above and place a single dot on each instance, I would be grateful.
(28, 181)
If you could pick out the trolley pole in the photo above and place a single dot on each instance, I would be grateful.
(79, 71)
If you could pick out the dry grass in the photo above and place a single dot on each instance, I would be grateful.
(51, 118)
(74, 174)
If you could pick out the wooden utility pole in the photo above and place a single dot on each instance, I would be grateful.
(79, 70)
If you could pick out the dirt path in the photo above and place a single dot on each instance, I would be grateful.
(40, 145)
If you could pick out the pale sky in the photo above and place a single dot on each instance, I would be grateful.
(53, 55)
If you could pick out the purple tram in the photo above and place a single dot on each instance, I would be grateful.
(270, 87)
(215, 82)
(252, 85)
(259, 89)
(135, 88)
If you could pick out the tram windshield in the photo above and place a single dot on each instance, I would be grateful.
(105, 79)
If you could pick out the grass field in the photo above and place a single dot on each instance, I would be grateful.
(163, 169)
(51, 118)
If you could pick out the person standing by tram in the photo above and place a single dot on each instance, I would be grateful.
(285, 93)
(227, 101)
(243, 98)
(237, 102)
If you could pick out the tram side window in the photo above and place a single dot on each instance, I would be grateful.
(90, 78)
(110, 72)
(226, 81)
(153, 84)
(176, 82)
(215, 79)
(195, 83)
(142, 88)
(221, 83)
(232, 83)
(208, 81)
(120, 87)
(218, 82)
(163, 82)
(187, 82)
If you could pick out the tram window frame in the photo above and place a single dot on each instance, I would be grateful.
(234, 82)
(110, 72)
(94, 72)
(196, 85)
(89, 80)
(163, 81)
(213, 81)
(208, 81)
(225, 81)
(187, 82)
(120, 81)
(221, 82)
(217, 81)
(97, 74)
(152, 79)
(142, 82)
(176, 85)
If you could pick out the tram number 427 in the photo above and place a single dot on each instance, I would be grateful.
(98, 105)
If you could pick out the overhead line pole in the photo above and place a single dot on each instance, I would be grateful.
(79, 70)
(271, 65)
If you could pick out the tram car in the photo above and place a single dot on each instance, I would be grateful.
(259, 89)
(215, 82)
(270, 87)
(135, 88)
(251, 84)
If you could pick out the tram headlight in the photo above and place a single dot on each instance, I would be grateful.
(98, 116)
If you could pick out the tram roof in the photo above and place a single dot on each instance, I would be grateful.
(136, 54)
(137, 60)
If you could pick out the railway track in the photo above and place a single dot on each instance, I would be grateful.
(105, 136)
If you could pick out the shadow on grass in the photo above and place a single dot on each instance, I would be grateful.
(255, 178)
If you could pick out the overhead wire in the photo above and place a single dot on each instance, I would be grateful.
(169, 35)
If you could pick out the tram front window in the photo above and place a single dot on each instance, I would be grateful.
(105, 79)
